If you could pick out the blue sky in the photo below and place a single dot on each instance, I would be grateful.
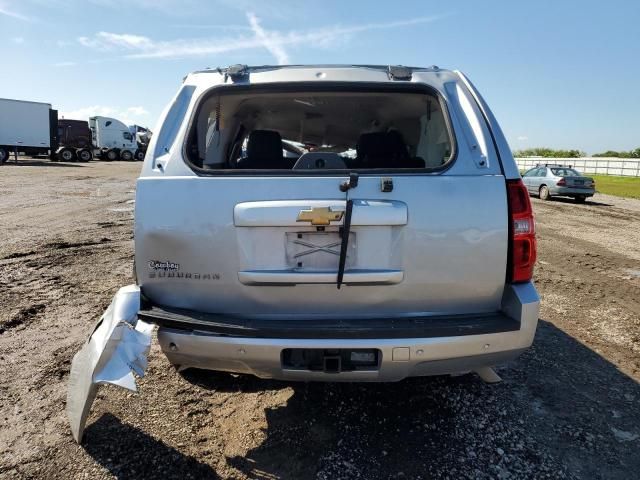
(563, 74)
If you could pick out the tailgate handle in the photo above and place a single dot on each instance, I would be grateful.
(284, 213)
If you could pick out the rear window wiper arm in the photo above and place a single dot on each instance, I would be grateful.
(346, 226)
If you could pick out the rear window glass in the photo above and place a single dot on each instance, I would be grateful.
(320, 130)
(565, 172)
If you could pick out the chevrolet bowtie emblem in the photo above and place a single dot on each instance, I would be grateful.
(320, 216)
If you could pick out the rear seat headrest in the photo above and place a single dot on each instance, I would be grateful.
(264, 145)
(382, 149)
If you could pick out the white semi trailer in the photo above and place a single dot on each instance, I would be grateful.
(27, 127)
(113, 140)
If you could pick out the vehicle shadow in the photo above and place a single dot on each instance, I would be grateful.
(38, 163)
(559, 410)
(588, 202)
(230, 383)
(130, 453)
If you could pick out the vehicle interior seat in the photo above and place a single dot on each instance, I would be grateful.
(400, 152)
(264, 150)
(385, 150)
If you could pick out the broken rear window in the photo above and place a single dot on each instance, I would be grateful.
(333, 128)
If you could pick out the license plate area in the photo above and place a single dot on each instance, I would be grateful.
(331, 360)
(318, 251)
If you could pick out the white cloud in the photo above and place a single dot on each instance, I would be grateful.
(130, 115)
(113, 41)
(135, 46)
(523, 138)
(127, 41)
(270, 41)
(18, 40)
(4, 10)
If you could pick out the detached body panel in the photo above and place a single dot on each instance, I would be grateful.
(118, 346)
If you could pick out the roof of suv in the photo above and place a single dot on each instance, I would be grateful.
(318, 72)
(256, 68)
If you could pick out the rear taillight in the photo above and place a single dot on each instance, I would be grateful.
(522, 235)
(561, 183)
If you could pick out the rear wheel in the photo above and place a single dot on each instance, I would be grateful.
(111, 155)
(126, 155)
(580, 199)
(84, 155)
(139, 155)
(66, 155)
(544, 193)
(4, 154)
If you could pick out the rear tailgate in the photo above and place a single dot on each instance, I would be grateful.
(445, 249)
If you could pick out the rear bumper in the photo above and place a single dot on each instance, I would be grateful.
(408, 347)
(572, 191)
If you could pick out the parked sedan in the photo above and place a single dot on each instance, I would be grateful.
(557, 180)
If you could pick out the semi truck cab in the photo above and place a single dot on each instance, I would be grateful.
(113, 140)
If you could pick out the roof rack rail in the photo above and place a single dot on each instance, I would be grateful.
(235, 72)
(399, 72)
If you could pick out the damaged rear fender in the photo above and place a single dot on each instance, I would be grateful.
(118, 346)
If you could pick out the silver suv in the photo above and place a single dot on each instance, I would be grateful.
(336, 223)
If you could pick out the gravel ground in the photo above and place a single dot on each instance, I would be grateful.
(567, 408)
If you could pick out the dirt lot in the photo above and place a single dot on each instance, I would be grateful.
(569, 407)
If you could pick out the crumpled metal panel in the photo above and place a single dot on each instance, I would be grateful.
(118, 346)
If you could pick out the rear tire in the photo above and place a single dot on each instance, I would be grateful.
(67, 155)
(139, 155)
(4, 154)
(580, 199)
(126, 155)
(544, 193)
(84, 155)
(111, 155)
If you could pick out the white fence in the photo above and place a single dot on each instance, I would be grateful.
(629, 167)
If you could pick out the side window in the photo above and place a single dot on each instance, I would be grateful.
(127, 136)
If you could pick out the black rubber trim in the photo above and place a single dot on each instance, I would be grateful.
(375, 328)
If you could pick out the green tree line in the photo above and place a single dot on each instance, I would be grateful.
(548, 153)
(552, 153)
(612, 153)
